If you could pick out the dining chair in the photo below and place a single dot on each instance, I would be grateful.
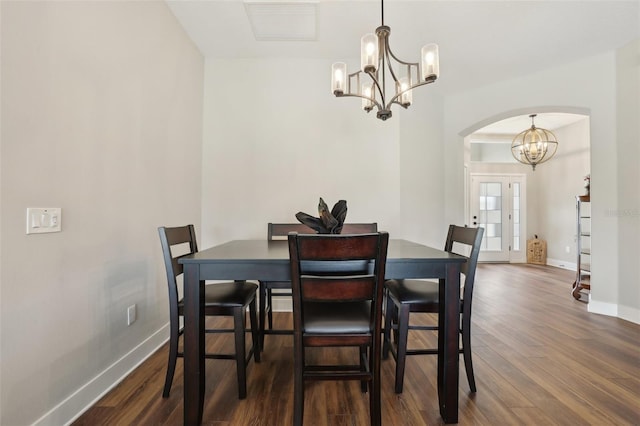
(220, 299)
(279, 231)
(337, 285)
(405, 296)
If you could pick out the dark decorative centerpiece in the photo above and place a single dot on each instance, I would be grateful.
(329, 222)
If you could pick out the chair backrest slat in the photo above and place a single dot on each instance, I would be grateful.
(170, 238)
(281, 230)
(472, 238)
(347, 247)
(329, 289)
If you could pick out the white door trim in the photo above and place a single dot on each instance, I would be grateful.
(513, 250)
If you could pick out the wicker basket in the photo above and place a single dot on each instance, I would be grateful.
(537, 251)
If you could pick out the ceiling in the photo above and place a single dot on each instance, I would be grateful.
(480, 41)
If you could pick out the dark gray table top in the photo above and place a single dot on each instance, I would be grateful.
(273, 251)
(269, 260)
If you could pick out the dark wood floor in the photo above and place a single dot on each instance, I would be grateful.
(539, 357)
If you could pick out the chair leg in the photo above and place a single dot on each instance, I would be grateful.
(388, 315)
(298, 381)
(173, 355)
(403, 334)
(363, 367)
(263, 307)
(270, 310)
(241, 365)
(375, 407)
(466, 351)
(255, 335)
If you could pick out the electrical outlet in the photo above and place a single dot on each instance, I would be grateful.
(131, 314)
(568, 249)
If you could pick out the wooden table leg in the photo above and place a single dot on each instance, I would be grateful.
(193, 345)
(448, 341)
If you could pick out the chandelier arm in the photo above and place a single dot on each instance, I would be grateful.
(393, 100)
(352, 75)
(389, 55)
(397, 59)
(380, 89)
(355, 95)
(397, 103)
(351, 94)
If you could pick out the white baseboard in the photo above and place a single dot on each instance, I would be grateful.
(626, 313)
(82, 399)
(561, 264)
(610, 309)
(629, 314)
(602, 308)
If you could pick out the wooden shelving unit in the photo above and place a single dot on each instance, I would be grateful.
(583, 246)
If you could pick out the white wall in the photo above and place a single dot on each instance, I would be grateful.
(628, 171)
(101, 115)
(558, 182)
(421, 170)
(276, 139)
(588, 84)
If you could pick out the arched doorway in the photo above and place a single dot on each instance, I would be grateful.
(513, 202)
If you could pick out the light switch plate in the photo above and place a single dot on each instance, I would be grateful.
(42, 220)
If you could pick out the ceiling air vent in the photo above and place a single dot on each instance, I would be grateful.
(282, 21)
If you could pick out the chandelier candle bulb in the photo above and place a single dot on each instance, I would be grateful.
(367, 92)
(430, 62)
(406, 97)
(338, 78)
(369, 53)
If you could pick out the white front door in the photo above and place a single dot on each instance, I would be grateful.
(497, 203)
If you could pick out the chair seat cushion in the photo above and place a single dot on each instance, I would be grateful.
(229, 294)
(329, 318)
(413, 291)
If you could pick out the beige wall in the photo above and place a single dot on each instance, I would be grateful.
(275, 140)
(101, 116)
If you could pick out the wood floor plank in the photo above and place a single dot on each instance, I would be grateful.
(540, 359)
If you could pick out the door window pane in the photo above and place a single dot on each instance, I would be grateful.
(515, 208)
(490, 215)
(494, 188)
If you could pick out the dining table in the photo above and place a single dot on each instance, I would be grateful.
(269, 261)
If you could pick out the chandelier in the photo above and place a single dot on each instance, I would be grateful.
(534, 146)
(376, 60)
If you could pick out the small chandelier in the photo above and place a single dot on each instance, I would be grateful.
(375, 55)
(534, 146)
